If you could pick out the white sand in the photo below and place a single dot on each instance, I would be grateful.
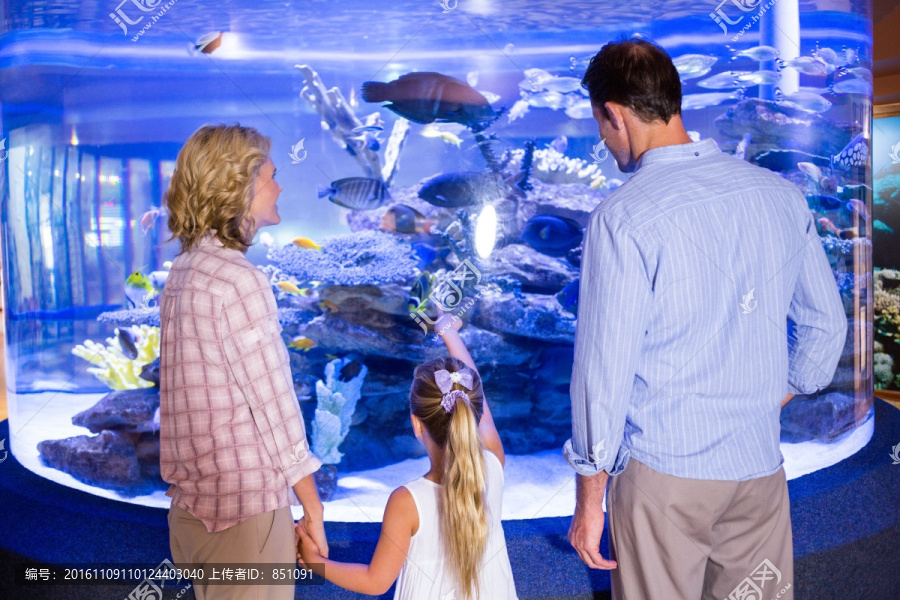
(537, 485)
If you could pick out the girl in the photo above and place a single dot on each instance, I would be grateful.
(441, 533)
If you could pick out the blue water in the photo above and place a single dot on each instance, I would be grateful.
(93, 117)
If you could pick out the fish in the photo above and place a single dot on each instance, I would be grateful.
(420, 291)
(853, 86)
(879, 225)
(787, 160)
(491, 97)
(760, 77)
(704, 100)
(148, 219)
(431, 131)
(306, 243)
(759, 53)
(826, 225)
(856, 206)
(459, 189)
(563, 85)
(740, 151)
(727, 80)
(691, 66)
(370, 123)
(290, 288)
(581, 110)
(544, 99)
(858, 72)
(823, 202)
(694, 135)
(472, 78)
(360, 193)
(807, 102)
(827, 55)
(158, 279)
(552, 235)
(534, 80)
(138, 290)
(518, 110)
(810, 170)
(809, 65)
(368, 139)
(209, 43)
(328, 306)
(302, 343)
(568, 297)
(854, 154)
(614, 184)
(127, 343)
(428, 97)
(848, 233)
(405, 219)
(267, 239)
(351, 370)
(424, 253)
(561, 143)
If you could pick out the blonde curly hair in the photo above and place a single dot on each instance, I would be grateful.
(212, 186)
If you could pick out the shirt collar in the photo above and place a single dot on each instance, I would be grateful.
(210, 238)
(678, 152)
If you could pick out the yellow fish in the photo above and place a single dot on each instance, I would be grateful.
(289, 288)
(302, 343)
(329, 305)
(430, 131)
(302, 242)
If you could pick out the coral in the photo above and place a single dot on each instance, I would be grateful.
(135, 316)
(114, 368)
(364, 258)
(883, 369)
(887, 303)
(552, 166)
(334, 411)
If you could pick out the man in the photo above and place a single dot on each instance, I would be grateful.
(689, 273)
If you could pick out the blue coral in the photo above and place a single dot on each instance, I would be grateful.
(363, 258)
(135, 316)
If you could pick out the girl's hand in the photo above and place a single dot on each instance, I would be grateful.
(446, 323)
(307, 551)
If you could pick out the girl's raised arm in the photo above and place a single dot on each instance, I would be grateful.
(448, 326)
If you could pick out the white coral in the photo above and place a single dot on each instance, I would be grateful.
(336, 404)
(112, 366)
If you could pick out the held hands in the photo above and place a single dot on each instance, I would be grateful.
(312, 547)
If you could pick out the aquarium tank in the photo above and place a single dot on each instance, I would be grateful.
(399, 200)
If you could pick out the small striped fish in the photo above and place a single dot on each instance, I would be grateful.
(359, 193)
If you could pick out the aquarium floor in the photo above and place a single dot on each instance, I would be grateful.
(845, 518)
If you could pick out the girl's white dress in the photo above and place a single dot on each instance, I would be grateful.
(426, 575)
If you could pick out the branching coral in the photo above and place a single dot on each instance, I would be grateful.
(364, 258)
(552, 166)
(113, 367)
(337, 400)
(887, 303)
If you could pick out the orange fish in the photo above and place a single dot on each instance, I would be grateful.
(302, 242)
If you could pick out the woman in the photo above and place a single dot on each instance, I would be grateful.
(233, 441)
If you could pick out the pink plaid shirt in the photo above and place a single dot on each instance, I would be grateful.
(232, 439)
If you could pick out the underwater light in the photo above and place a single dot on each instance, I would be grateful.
(486, 231)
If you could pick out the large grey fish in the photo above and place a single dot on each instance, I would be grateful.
(360, 193)
(690, 66)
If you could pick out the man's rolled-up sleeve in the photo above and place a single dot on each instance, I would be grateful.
(613, 306)
(260, 365)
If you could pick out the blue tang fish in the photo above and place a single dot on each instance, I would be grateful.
(428, 97)
(552, 235)
(455, 190)
(568, 297)
(359, 193)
